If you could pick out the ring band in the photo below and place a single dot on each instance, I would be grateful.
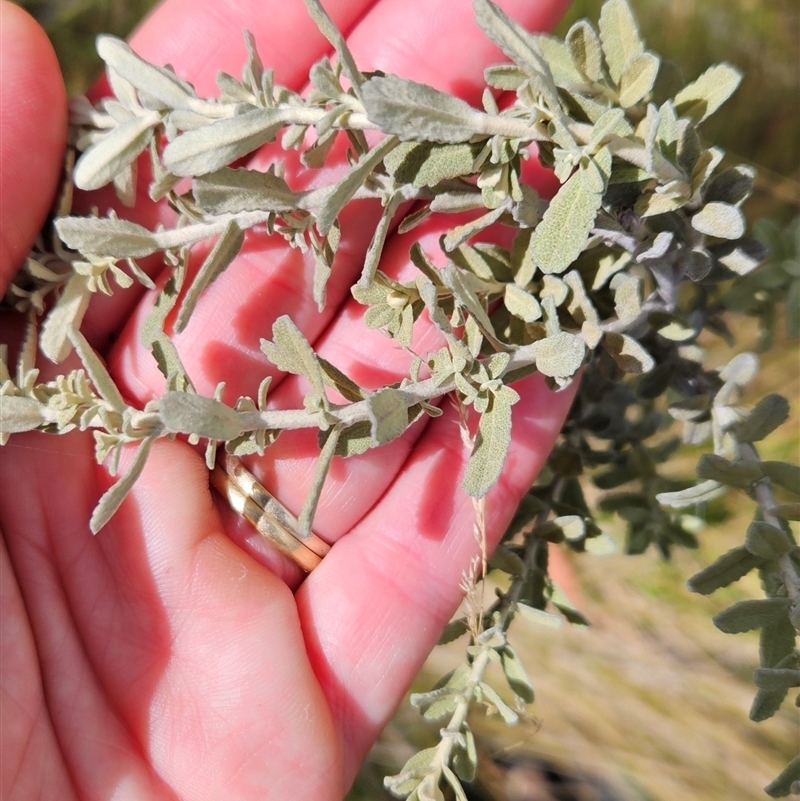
(266, 513)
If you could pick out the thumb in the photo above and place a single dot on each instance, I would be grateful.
(33, 130)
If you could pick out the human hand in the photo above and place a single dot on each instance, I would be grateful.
(176, 654)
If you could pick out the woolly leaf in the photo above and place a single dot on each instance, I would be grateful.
(728, 568)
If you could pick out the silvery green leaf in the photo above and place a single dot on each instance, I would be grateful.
(560, 355)
(329, 30)
(637, 79)
(700, 493)
(217, 261)
(741, 369)
(458, 284)
(253, 72)
(697, 263)
(519, 45)
(734, 474)
(733, 185)
(651, 161)
(768, 414)
(701, 98)
(491, 446)
(490, 696)
(559, 60)
(461, 233)
(654, 203)
(516, 675)
(157, 82)
(689, 146)
(407, 781)
(428, 163)
(488, 262)
(64, 316)
(777, 679)
(629, 355)
(289, 351)
(619, 35)
(706, 163)
(26, 358)
(455, 202)
(766, 540)
(314, 157)
(728, 568)
(742, 257)
(428, 294)
(113, 497)
(169, 363)
(96, 370)
(627, 296)
(749, 615)
(388, 414)
(323, 79)
(783, 473)
(230, 90)
(187, 413)
(411, 221)
(421, 261)
(342, 192)
(153, 325)
(610, 122)
(335, 378)
(521, 304)
(321, 468)
(719, 219)
(207, 149)
(353, 441)
(19, 413)
(229, 191)
(124, 184)
(465, 758)
(601, 545)
(787, 511)
(109, 157)
(787, 782)
(506, 560)
(415, 111)
(586, 50)
(561, 235)
(609, 266)
(539, 616)
(507, 77)
(375, 250)
(324, 254)
(106, 236)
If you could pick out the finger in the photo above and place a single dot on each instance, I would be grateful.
(65, 583)
(33, 131)
(376, 606)
(32, 764)
(173, 664)
(232, 707)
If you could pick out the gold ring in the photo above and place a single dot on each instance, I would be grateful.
(266, 513)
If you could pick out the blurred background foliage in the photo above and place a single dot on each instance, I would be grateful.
(649, 703)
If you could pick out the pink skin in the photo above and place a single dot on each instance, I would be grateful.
(175, 655)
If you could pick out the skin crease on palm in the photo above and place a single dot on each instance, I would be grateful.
(174, 655)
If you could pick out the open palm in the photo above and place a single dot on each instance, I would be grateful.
(176, 655)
